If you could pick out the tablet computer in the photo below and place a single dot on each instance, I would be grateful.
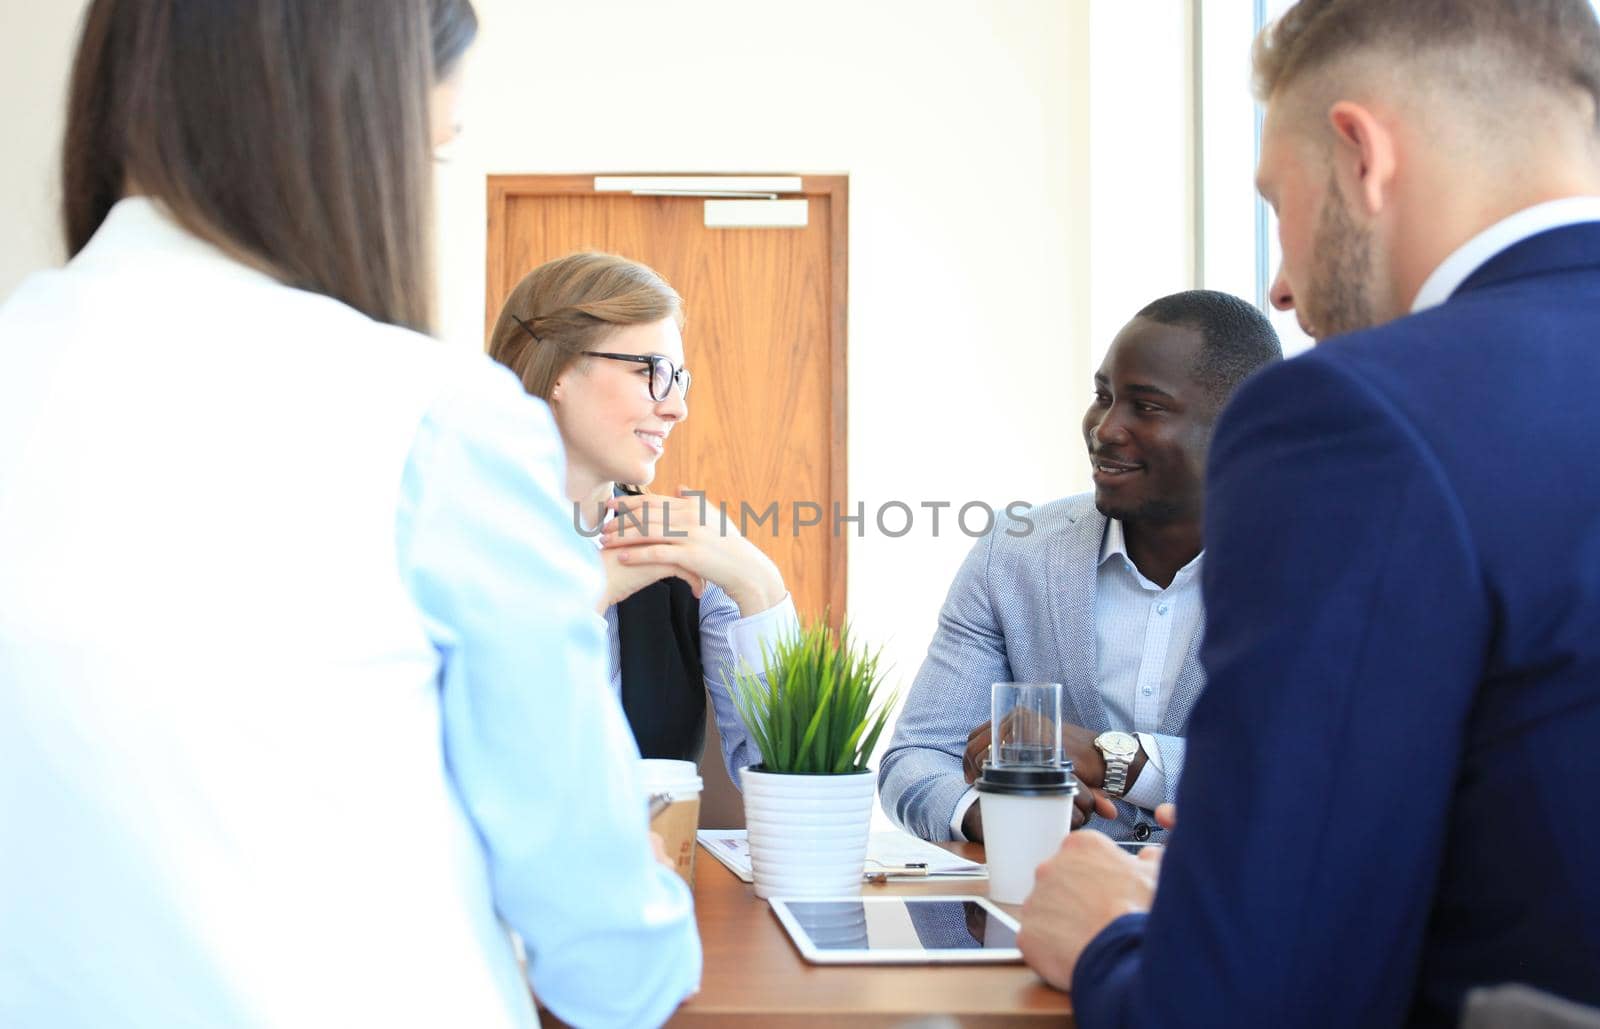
(906, 930)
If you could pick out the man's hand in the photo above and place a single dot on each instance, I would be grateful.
(977, 753)
(972, 823)
(1088, 802)
(1087, 885)
(1077, 745)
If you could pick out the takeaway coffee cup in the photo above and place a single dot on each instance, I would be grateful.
(1026, 789)
(679, 782)
(1027, 812)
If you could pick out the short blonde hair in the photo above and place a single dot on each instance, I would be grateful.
(565, 307)
(1551, 43)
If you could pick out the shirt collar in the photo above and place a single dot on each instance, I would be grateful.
(139, 228)
(1472, 254)
(1115, 544)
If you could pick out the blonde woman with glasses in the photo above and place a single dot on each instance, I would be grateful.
(599, 338)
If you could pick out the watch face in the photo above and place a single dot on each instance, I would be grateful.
(1117, 745)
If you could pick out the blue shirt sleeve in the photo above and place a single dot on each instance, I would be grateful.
(728, 642)
(537, 748)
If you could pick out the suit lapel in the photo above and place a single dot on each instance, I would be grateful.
(1074, 569)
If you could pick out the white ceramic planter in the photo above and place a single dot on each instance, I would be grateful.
(808, 833)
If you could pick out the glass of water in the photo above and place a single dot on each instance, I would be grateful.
(1025, 722)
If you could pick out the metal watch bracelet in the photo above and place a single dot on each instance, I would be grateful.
(1116, 780)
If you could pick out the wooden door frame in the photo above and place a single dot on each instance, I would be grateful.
(503, 188)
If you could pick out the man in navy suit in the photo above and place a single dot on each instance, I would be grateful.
(1390, 791)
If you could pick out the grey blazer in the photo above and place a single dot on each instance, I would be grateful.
(1020, 610)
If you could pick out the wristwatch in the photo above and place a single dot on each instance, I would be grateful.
(1119, 749)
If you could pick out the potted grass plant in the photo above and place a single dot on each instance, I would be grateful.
(816, 714)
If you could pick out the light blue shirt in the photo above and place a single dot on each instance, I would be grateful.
(1142, 633)
(526, 717)
(302, 694)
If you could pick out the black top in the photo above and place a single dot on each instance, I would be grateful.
(663, 686)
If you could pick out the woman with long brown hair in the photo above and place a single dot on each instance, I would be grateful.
(688, 600)
(301, 694)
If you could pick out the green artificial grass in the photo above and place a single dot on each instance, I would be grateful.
(814, 714)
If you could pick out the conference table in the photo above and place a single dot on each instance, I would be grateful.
(755, 977)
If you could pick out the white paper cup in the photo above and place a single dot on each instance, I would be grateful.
(679, 780)
(1026, 815)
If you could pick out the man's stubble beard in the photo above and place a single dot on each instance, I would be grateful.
(1341, 271)
(1150, 512)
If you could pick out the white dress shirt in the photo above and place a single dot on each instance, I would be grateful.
(1142, 633)
(1525, 224)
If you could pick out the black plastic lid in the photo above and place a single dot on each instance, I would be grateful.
(1028, 780)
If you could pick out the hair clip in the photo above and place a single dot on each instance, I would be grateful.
(525, 327)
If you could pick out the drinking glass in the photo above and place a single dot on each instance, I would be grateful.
(1025, 720)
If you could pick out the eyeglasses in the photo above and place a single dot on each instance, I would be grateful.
(663, 373)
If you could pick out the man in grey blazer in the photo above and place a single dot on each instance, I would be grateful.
(1100, 592)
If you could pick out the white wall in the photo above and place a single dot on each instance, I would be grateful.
(1019, 178)
(36, 42)
(1140, 155)
(958, 125)
(1019, 188)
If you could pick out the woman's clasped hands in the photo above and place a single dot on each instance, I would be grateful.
(652, 536)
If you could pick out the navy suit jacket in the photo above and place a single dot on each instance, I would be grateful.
(1390, 793)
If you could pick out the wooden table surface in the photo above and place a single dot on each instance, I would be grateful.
(755, 977)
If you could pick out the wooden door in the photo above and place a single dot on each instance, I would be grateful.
(764, 338)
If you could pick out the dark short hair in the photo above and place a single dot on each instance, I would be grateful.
(1555, 43)
(1236, 339)
(292, 134)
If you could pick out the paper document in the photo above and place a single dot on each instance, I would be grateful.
(886, 852)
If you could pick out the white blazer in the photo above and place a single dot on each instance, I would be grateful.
(224, 792)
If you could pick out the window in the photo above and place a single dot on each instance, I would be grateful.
(1237, 238)
(1236, 233)
(1288, 328)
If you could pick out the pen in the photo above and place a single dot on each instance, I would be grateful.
(910, 870)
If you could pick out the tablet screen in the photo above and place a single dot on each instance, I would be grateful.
(902, 924)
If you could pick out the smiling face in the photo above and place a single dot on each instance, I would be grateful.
(613, 431)
(1149, 425)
